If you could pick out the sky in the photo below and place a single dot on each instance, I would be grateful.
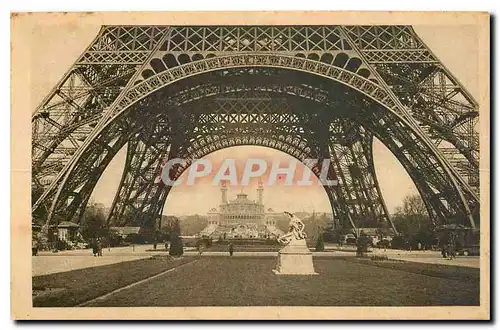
(55, 49)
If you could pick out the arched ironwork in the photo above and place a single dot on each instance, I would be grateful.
(393, 83)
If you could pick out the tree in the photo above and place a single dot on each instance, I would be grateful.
(362, 244)
(412, 216)
(335, 235)
(176, 227)
(192, 224)
(413, 222)
(169, 226)
(93, 223)
(320, 243)
(176, 246)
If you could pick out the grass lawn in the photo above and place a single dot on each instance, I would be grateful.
(223, 281)
(78, 286)
(464, 274)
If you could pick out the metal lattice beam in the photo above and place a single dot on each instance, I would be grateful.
(384, 79)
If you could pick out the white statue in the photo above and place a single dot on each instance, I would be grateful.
(294, 258)
(296, 231)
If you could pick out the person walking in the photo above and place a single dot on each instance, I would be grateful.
(444, 251)
(231, 249)
(99, 248)
(449, 251)
(452, 246)
(94, 247)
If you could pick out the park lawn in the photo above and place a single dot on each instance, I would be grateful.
(75, 287)
(465, 274)
(224, 281)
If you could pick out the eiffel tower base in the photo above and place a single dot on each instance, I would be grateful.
(295, 259)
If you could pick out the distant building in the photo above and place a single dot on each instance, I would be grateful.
(242, 218)
(124, 232)
(67, 231)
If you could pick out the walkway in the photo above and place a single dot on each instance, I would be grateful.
(43, 265)
(49, 263)
(429, 257)
(63, 261)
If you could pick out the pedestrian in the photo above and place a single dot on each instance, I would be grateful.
(200, 249)
(359, 251)
(99, 248)
(166, 246)
(94, 247)
(34, 248)
(408, 245)
(231, 249)
(449, 251)
(444, 250)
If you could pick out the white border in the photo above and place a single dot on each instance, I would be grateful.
(142, 5)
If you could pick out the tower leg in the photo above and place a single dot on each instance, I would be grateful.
(134, 201)
(352, 161)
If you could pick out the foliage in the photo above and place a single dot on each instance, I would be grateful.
(93, 223)
(398, 242)
(114, 239)
(205, 242)
(312, 223)
(335, 235)
(362, 244)
(244, 241)
(170, 226)
(384, 244)
(192, 224)
(320, 244)
(185, 225)
(176, 246)
(413, 224)
(61, 245)
(138, 238)
(379, 257)
(412, 217)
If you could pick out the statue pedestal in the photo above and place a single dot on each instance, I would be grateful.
(295, 259)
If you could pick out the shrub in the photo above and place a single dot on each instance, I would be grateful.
(380, 257)
(384, 244)
(205, 242)
(62, 245)
(398, 242)
(191, 244)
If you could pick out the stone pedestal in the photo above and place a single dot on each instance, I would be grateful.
(295, 259)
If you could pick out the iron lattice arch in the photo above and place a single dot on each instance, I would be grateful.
(310, 91)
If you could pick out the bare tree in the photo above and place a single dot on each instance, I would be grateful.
(412, 217)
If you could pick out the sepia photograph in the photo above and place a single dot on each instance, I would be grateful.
(232, 165)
